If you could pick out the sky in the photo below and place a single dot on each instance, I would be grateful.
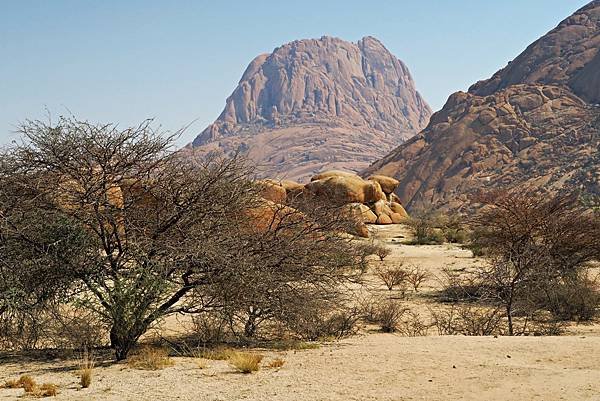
(123, 61)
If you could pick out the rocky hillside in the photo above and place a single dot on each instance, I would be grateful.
(534, 123)
(318, 104)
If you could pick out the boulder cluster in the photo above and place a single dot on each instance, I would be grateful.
(369, 201)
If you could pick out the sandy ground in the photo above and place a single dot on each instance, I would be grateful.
(372, 367)
(369, 366)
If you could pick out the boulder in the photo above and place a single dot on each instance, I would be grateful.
(333, 173)
(344, 190)
(292, 188)
(362, 213)
(381, 207)
(384, 219)
(388, 184)
(361, 230)
(397, 218)
(290, 185)
(271, 190)
(399, 209)
(269, 215)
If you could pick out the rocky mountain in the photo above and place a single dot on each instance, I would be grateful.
(535, 123)
(318, 104)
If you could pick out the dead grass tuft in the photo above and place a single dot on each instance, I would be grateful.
(276, 363)
(11, 383)
(86, 370)
(245, 362)
(216, 354)
(150, 358)
(45, 390)
(202, 363)
(27, 383)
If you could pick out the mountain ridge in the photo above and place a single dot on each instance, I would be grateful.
(534, 123)
(317, 104)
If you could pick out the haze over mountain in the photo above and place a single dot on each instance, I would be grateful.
(318, 104)
(534, 123)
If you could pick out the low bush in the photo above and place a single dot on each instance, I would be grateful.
(382, 252)
(209, 328)
(573, 299)
(413, 325)
(389, 315)
(468, 320)
(392, 276)
(316, 324)
(416, 276)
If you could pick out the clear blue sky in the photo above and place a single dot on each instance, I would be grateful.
(123, 61)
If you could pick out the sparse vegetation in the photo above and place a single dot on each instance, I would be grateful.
(382, 252)
(201, 363)
(86, 369)
(150, 358)
(116, 223)
(423, 224)
(216, 354)
(416, 276)
(245, 362)
(534, 247)
(392, 276)
(389, 315)
(413, 325)
(31, 388)
(276, 363)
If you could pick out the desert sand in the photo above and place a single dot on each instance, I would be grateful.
(368, 366)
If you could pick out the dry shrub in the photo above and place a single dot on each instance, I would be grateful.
(22, 329)
(413, 325)
(463, 287)
(392, 277)
(11, 383)
(150, 358)
(453, 229)
(201, 363)
(276, 363)
(27, 383)
(389, 315)
(31, 388)
(369, 308)
(549, 328)
(245, 362)
(45, 390)
(424, 226)
(209, 328)
(53, 326)
(574, 299)
(86, 370)
(216, 354)
(416, 276)
(76, 328)
(318, 324)
(382, 251)
(468, 320)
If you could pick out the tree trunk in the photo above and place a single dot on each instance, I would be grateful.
(250, 326)
(509, 316)
(123, 341)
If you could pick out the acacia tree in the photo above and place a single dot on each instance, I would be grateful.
(291, 262)
(144, 232)
(531, 243)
